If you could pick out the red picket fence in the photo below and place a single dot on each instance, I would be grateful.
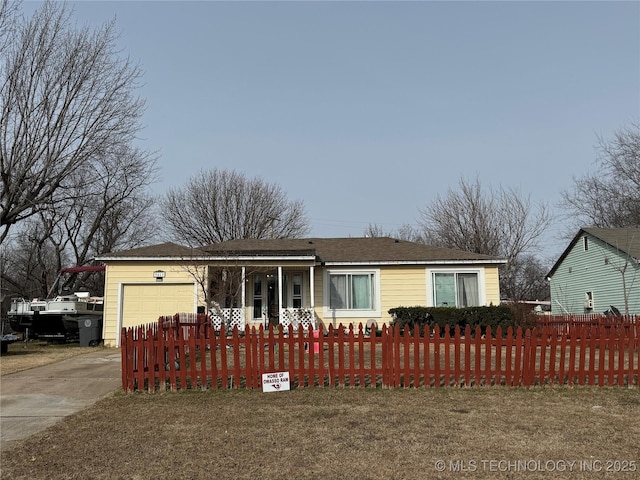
(602, 324)
(174, 355)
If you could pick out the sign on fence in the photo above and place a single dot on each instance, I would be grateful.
(275, 382)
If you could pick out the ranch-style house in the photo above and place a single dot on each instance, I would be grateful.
(291, 281)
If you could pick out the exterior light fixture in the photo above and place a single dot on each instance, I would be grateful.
(159, 275)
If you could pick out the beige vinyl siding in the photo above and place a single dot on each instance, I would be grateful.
(318, 292)
(399, 286)
(492, 285)
(402, 287)
(120, 274)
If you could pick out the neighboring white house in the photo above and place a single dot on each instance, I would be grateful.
(600, 269)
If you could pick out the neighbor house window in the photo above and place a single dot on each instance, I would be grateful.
(353, 293)
(588, 300)
(455, 289)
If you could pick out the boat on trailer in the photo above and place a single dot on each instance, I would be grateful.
(56, 318)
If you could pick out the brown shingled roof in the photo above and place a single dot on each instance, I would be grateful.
(167, 249)
(348, 250)
(325, 250)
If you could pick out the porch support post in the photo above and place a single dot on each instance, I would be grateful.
(280, 294)
(311, 296)
(243, 295)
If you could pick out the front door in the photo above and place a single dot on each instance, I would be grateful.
(273, 308)
(265, 298)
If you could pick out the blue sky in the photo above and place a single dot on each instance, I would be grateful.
(367, 111)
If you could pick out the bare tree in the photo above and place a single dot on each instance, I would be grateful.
(113, 212)
(66, 99)
(405, 232)
(8, 12)
(610, 196)
(498, 222)
(624, 269)
(31, 261)
(625, 264)
(73, 184)
(525, 279)
(220, 205)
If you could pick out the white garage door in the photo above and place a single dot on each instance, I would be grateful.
(143, 304)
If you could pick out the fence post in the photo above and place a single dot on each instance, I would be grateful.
(528, 367)
(508, 357)
(467, 355)
(436, 356)
(386, 358)
(447, 357)
(126, 362)
(321, 356)
(150, 346)
(416, 356)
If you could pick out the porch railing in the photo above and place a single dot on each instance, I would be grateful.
(235, 317)
(296, 317)
(229, 317)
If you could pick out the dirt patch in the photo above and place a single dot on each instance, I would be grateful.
(25, 355)
(341, 432)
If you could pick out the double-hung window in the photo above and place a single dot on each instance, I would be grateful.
(455, 289)
(353, 293)
(257, 296)
(296, 293)
(292, 290)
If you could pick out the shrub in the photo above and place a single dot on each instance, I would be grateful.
(491, 316)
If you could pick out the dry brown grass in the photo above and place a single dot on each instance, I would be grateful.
(23, 356)
(334, 433)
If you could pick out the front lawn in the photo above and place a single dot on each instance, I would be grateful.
(332, 433)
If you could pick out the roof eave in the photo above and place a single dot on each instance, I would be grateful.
(574, 240)
(564, 253)
(420, 262)
(117, 258)
(262, 258)
(209, 258)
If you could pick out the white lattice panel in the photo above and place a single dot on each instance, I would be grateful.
(297, 317)
(229, 317)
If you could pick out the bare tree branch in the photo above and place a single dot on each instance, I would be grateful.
(73, 184)
(405, 232)
(610, 196)
(220, 205)
(500, 223)
(66, 99)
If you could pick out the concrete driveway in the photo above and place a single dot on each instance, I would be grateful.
(33, 400)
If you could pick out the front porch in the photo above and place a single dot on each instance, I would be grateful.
(236, 317)
(254, 296)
